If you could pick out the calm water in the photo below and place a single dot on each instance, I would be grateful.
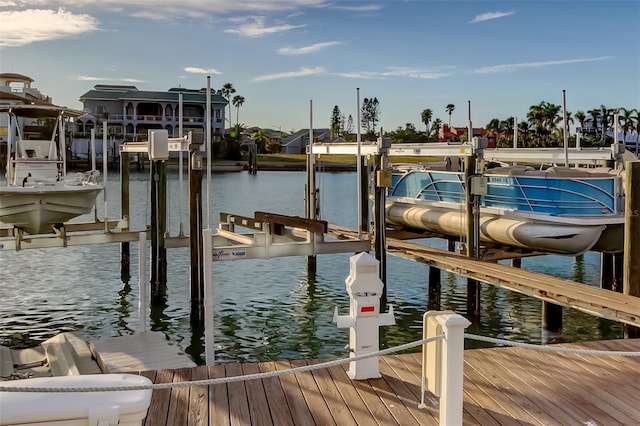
(264, 309)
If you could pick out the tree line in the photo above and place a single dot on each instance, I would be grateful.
(543, 126)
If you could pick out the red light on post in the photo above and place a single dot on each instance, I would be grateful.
(368, 309)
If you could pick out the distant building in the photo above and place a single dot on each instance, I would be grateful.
(297, 142)
(455, 133)
(15, 89)
(130, 112)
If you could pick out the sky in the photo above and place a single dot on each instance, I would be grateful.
(294, 60)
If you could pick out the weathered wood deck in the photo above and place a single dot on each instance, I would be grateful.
(503, 386)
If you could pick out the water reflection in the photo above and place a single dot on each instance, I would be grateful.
(264, 309)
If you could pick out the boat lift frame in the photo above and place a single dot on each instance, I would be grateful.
(589, 156)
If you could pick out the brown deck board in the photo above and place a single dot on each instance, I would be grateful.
(258, 407)
(337, 407)
(179, 400)
(199, 399)
(278, 407)
(356, 404)
(503, 386)
(293, 394)
(316, 403)
(159, 407)
(238, 402)
(219, 412)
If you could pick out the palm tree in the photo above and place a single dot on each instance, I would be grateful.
(449, 108)
(426, 117)
(581, 117)
(237, 102)
(226, 91)
(435, 127)
(626, 120)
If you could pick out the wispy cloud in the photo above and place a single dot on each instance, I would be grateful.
(20, 27)
(307, 49)
(124, 80)
(515, 67)
(291, 74)
(423, 74)
(365, 8)
(490, 15)
(196, 70)
(254, 26)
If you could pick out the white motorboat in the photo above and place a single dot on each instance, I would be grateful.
(38, 195)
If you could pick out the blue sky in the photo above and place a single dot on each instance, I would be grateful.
(502, 56)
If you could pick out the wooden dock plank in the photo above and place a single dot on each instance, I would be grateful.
(595, 301)
(293, 394)
(278, 406)
(562, 383)
(179, 399)
(258, 407)
(159, 406)
(374, 403)
(406, 393)
(558, 408)
(348, 392)
(316, 403)
(219, 410)
(199, 399)
(238, 402)
(428, 415)
(337, 407)
(525, 409)
(503, 386)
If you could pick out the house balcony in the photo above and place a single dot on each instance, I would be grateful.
(154, 119)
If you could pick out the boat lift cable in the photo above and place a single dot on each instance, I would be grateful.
(328, 364)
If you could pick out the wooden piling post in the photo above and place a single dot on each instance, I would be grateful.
(606, 271)
(125, 253)
(195, 235)
(435, 288)
(383, 181)
(551, 322)
(473, 286)
(311, 207)
(158, 230)
(631, 268)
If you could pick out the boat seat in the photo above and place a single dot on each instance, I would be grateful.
(509, 170)
(535, 173)
(566, 172)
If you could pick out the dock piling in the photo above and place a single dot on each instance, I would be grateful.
(631, 268)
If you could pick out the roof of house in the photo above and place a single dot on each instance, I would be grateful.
(121, 93)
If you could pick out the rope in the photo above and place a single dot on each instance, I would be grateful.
(207, 382)
(305, 368)
(550, 348)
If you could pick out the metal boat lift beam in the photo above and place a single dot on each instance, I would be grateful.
(280, 236)
(531, 155)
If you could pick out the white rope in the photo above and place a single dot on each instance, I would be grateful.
(312, 367)
(222, 380)
(549, 348)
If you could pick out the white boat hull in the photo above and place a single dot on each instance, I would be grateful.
(521, 232)
(37, 210)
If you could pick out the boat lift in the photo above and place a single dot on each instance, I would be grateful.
(276, 235)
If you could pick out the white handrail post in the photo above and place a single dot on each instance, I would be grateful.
(105, 158)
(451, 399)
(143, 294)
(207, 256)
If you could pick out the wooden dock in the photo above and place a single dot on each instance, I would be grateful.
(592, 300)
(502, 386)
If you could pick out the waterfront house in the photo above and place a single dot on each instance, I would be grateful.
(130, 113)
(297, 142)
